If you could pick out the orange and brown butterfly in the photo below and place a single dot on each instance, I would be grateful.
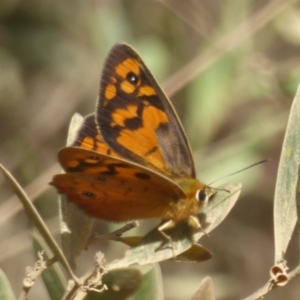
(131, 159)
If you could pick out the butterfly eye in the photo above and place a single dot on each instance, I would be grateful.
(132, 78)
(201, 196)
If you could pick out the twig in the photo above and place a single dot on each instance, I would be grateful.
(33, 274)
(91, 281)
(270, 286)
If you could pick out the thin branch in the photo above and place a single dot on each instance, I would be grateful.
(91, 281)
(270, 286)
(32, 274)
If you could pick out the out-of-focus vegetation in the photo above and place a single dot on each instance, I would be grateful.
(234, 108)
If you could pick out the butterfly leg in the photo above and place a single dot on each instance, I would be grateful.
(167, 225)
(193, 222)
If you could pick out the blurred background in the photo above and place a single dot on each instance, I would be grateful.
(231, 69)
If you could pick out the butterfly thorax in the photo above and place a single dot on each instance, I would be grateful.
(190, 205)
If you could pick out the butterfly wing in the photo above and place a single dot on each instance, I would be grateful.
(114, 189)
(137, 120)
(88, 137)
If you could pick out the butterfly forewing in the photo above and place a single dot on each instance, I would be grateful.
(137, 120)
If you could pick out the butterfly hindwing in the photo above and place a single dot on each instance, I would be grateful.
(136, 119)
(113, 189)
(88, 137)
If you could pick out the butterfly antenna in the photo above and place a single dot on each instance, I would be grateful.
(236, 172)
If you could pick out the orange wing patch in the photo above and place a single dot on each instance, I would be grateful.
(146, 90)
(87, 138)
(110, 92)
(152, 119)
(128, 65)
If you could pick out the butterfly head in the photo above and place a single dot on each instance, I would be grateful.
(197, 195)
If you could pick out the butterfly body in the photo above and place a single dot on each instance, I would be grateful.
(131, 160)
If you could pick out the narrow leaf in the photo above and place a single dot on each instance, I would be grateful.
(284, 203)
(298, 204)
(206, 290)
(151, 287)
(6, 292)
(196, 253)
(75, 225)
(121, 284)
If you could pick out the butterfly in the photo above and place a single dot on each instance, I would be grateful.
(131, 159)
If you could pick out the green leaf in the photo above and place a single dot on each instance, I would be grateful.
(285, 203)
(298, 203)
(75, 225)
(6, 292)
(195, 254)
(151, 287)
(121, 284)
